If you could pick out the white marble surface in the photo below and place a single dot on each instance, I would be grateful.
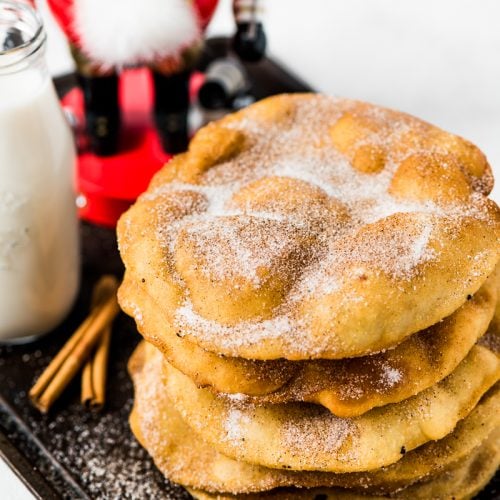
(437, 59)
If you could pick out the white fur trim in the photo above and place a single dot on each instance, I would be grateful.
(127, 32)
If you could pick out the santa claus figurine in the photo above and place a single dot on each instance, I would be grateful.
(166, 35)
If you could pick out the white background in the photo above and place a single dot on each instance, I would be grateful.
(437, 59)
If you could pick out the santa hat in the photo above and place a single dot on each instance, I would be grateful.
(129, 32)
(125, 32)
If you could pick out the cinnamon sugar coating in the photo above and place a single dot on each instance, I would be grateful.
(185, 457)
(315, 277)
(312, 227)
(347, 387)
(461, 482)
(301, 436)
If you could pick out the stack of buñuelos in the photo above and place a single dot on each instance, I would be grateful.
(315, 282)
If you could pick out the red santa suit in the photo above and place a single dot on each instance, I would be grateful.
(138, 32)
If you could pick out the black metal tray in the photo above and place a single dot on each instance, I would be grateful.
(71, 453)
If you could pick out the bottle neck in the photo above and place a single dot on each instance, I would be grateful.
(22, 39)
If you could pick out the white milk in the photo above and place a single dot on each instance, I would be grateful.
(39, 254)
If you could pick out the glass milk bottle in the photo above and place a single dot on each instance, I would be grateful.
(39, 253)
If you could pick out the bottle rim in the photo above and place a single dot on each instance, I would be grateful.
(20, 11)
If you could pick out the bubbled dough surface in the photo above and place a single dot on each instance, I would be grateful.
(347, 387)
(311, 227)
(186, 458)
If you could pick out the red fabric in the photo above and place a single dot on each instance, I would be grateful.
(205, 9)
(63, 12)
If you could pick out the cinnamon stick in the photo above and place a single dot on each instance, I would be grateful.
(95, 373)
(87, 394)
(76, 350)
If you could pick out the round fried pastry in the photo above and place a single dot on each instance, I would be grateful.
(309, 272)
(347, 387)
(299, 436)
(462, 482)
(184, 457)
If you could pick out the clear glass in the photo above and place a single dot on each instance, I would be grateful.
(39, 250)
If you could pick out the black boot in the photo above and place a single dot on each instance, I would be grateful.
(102, 113)
(171, 110)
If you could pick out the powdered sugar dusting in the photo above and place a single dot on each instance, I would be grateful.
(258, 247)
(134, 310)
(320, 433)
(392, 376)
(238, 396)
(350, 221)
(233, 424)
(277, 327)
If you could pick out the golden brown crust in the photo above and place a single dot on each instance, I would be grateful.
(206, 368)
(347, 387)
(463, 481)
(435, 177)
(186, 458)
(374, 208)
(307, 437)
(315, 272)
